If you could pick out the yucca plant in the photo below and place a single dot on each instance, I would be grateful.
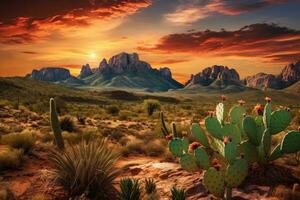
(178, 194)
(130, 189)
(86, 168)
(150, 186)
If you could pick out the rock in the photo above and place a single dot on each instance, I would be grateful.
(289, 75)
(85, 71)
(262, 80)
(51, 74)
(165, 72)
(210, 74)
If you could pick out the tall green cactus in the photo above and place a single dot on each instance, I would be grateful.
(55, 125)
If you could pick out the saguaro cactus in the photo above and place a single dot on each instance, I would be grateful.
(55, 125)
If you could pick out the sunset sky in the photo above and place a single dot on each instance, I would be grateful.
(186, 35)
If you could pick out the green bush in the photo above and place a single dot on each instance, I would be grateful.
(24, 140)
(10, 158)
(67, 124)
(178, 194)
(86, 167)
(113, 110)
(130, 189)
(151, 105)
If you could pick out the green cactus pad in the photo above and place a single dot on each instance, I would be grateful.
(236, 173)
(220, 112)
(185, 144)
(214, 182)
(267, 115)
(267, 141)
(236, 114)
(261, 154)
(213, 126)
(174, 131)
(276, 153)
(280, 120)
(230, 152)
(291, 142)
(249, 151)
(259, 120)
(233, 131)
(176, 147)
(202, 158)
(189, 162)
(250, 128)
(218, 145)
(199, 134)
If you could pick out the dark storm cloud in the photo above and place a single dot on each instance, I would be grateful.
(257, 40)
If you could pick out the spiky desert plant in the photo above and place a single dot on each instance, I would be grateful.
(130, 189)
(150, 186)
(55, 125)
(151, 105)
(67, 124)
(259, 131)
(86, 168)
(177, 194)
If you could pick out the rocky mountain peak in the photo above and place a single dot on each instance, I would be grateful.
(165, 72)
(85, 71)
(290, 73)
(210, 74)
(52, 74)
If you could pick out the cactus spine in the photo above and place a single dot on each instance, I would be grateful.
(55, 125)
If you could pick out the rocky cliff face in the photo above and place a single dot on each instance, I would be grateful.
(85, 71)
(210, 74)
(288, 76)
(52, 74)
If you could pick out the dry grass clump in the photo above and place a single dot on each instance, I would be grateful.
(137, 146)
(284, 193)
(24, 140)
(86, 169)
(67, 124)
(10, 158)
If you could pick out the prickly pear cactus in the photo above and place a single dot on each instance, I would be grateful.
(267, 142)
(267, 115)
(280, 120)
(176, 147)
(230, 152)
(249, 151)
(214, 127)
(202, 158)
(236, 173)
(214, 182)
(220, 112)
(199, 134)
(236, 114)
(55, 125)
(291, 142)
(189, 162)
(276, 153)
(251, 130)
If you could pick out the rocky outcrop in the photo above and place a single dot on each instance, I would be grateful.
(165, 72)
(210, 74)
(51, 74)
(85, 71)
(288, 76)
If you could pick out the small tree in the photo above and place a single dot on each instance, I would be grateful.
(151, 105)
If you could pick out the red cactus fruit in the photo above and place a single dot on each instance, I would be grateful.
(227, 139)
(224, 98)
(268, 99)
(241, 102)
(259, 109)
(194, 146)
(169, 137)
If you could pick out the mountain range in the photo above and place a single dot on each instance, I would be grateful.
(128, 71)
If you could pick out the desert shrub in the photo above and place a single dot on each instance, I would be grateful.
(10, 158)
(130, 189)
(67, 124)
(151, 105)
(112, 110)
(84, 136)
(168, 157)
(150, 186)
(154, 148)
(116, 134)
(124, 115)
(24, 140)
(86, 167)
(134, 147)
(178, 194)
(81, 120)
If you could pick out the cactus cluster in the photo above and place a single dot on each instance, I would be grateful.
(55, 125)
(232, 144)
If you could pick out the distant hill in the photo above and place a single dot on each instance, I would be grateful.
(121, 71)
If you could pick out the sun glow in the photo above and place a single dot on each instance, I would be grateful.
(93, 55)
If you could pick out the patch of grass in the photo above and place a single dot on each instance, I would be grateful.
(150, 186)
(10, 158)
(151, 105)
(86, 135)
(154, 148)
(86, 168)
(67, 124)
(112, 109)
(134, 147)
(24, 140)
(130, 189)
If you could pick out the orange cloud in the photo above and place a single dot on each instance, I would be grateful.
(267, 41)
(29, 21)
